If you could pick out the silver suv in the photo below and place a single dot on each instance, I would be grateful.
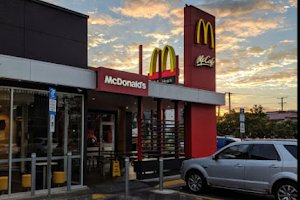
(260, 166)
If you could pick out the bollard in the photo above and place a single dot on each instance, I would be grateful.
(69, 173)
(127, 178)
(33, 173)
(161, 170)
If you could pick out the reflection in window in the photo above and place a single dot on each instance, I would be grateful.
(107, 133)
(292, 149)
(30, 131)
(264, 152)
(4, 132)
(107, 117)
(93, 132)
(235, 152)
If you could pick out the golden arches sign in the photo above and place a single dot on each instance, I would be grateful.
(206, 27)
(167, 49)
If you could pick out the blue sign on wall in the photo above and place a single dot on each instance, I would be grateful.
(52, 101)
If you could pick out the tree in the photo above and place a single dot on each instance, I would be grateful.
(257, 125)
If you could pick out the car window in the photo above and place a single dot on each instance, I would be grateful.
(235, 152)
(292, 149)
(264, 152)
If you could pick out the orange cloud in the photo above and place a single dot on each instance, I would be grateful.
(285, 57)
(227, 43)
(294, 3)
(256, 51)
(144, 8)
(96, 40)
(237, 8)
(246, 27)
(105, 20)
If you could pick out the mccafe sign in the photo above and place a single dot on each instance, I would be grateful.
(205, 61)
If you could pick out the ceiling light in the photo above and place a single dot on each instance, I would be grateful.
(93, 98)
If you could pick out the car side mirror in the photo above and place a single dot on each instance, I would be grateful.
(215, 157)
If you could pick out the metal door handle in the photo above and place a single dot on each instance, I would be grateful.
(273, 166)
(238, 165)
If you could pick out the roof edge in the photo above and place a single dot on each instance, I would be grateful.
(60, 8)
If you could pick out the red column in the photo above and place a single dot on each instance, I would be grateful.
(151, 129)
(141, 59)
(163, 129)
(177, 71)
(177, 141)
(200, 130)
(159, 123)
(139, 120)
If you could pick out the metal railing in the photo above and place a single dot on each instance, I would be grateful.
(162, 138)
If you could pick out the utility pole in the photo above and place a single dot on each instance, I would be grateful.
(281, 102)
(229, 101)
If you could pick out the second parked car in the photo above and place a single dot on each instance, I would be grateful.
(260, 166)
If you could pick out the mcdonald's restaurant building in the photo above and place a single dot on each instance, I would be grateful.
(100, 113)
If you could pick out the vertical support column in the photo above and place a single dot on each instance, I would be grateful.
(177, 71)
(161, 173)
(151, 129)
(159, 67)
(120, 141)
(10, 141)
(49, 157)
(139, 119)
(33, 173)
(141, 59)
(159, 123)
(69, 174)
(177, 141)
(163, 129)
(127, 178)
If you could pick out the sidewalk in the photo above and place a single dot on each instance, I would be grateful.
(106, 191)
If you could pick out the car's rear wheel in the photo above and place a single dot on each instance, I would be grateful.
(195, 181)
(286, 190)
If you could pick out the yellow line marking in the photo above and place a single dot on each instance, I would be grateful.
(101, 196)
(171, 183)
(198, 196)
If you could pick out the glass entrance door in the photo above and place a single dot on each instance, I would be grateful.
(107, 131)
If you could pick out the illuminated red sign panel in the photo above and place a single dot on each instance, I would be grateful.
(115, 81)
(199, 49)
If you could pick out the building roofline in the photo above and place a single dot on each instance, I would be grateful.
(60, 8)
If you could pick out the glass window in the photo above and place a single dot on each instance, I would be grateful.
(4, 132)
(68, 125)
(30, 123)
(30, 133)
(93, 132)
(107, 117)
(264, 152)
(292, 149)
(235, 152)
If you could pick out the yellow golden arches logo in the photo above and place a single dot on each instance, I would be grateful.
(167, 49)
(206, 27)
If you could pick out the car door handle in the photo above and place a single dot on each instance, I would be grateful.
(273, 166)
(238, 165)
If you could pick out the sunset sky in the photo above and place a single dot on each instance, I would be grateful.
(256, 43)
